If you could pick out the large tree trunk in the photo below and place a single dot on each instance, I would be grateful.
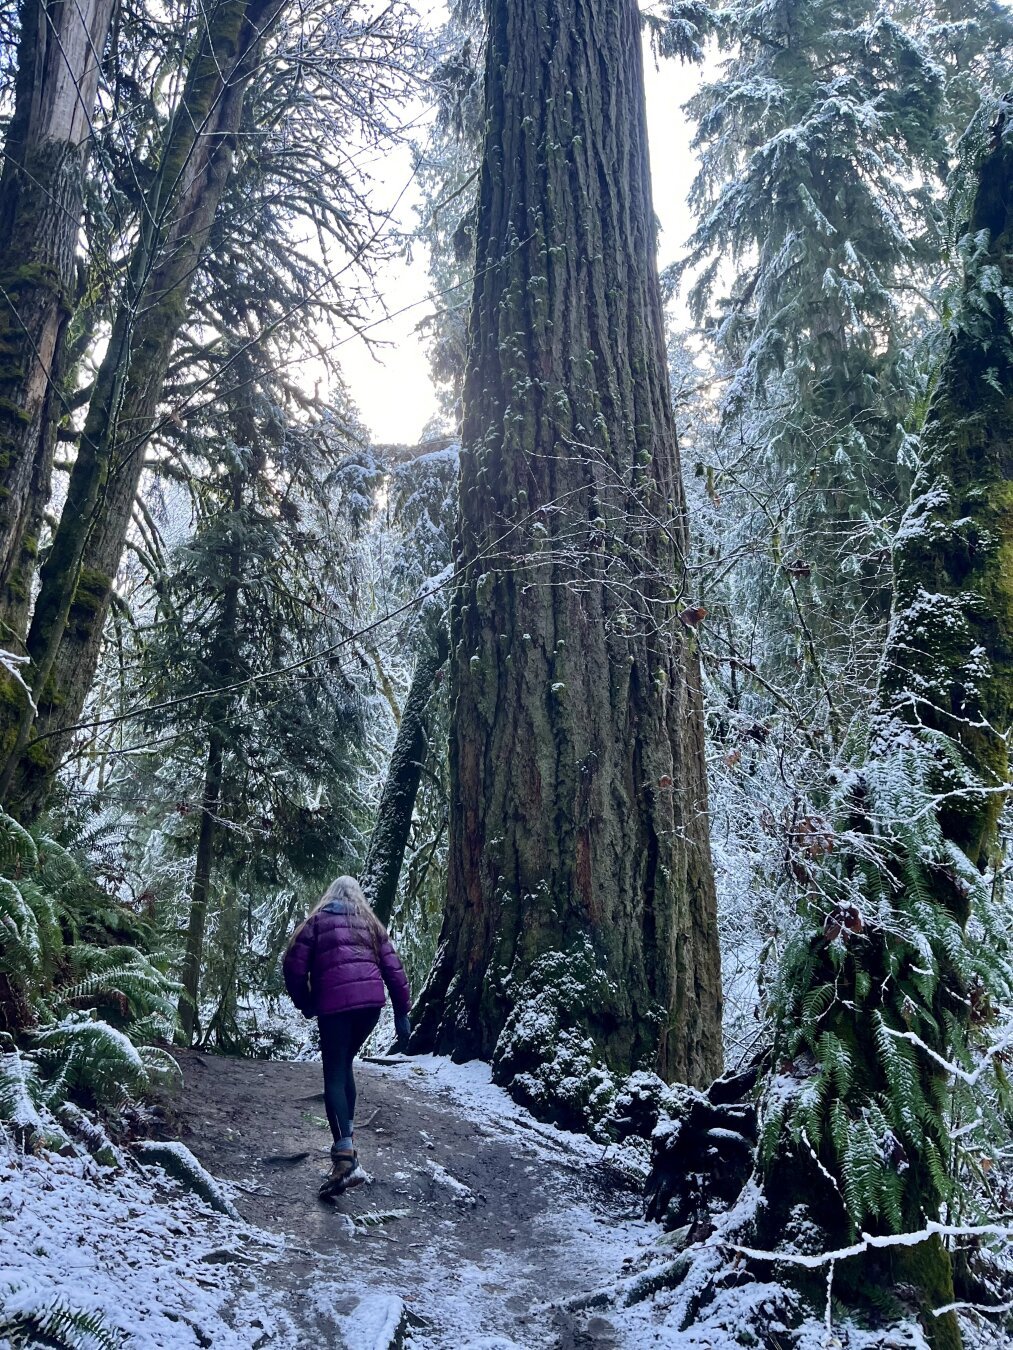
(66, 631)
(382, 869)
(579, 858)
(41, 199)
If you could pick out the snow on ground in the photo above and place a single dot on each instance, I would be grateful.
(454, 1267)
(470, 1089)
(151, 1263)
(601, 1248)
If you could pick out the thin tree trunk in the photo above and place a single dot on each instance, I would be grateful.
(579, 858)
(16, 596)
(385, 858)
(41, 200)
(223, 1028)
(222, 663)
(189, 1004)
(78, 574)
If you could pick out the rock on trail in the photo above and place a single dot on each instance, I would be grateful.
(478, 1224)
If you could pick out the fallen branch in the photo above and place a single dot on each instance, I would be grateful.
(868, 1242)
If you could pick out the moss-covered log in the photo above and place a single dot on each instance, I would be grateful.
(41, 200)
(578, 819)
(66, 630)
(385, 857)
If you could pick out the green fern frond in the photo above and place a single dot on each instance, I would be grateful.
(814, 1005)
(20, 1091)
(96, 1058)
(861, 1165)
(17, 847)
(57, 868)
(835, 1061)
(21, 949)
(23, 1103)
(159, 1063)
(60, 1327)
(122, 981)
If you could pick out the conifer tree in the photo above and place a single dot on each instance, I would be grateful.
(253, 779)
(820, 148)
(883, 993)
(180, 207)
(168, 266)
(579, 863)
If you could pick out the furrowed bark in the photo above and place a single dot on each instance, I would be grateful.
(382, 870)
(578, 819)
(41, 200)
(65, 636)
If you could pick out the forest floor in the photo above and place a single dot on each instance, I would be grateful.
(479, 1227)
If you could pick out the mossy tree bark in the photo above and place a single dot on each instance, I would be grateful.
(385, 857)
(907, 987)
(950, 658)
(578, 815)
(76, 581)
(41, 200)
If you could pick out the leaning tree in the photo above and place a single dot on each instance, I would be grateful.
(41, 203)
(580, 913)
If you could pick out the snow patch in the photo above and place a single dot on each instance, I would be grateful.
(106, 1244)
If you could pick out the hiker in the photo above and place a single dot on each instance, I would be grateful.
(335, 968)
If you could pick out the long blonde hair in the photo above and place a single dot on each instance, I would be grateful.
(349, 892)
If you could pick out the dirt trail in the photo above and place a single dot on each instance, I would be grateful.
(477, 1225)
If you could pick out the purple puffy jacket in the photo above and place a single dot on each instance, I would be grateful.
(334, 965)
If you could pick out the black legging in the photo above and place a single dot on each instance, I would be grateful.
(341, 1036)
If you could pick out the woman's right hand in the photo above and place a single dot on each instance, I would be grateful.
(403, 1029)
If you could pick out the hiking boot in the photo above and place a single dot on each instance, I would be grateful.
(345, 1174)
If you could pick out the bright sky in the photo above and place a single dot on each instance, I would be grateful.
(391, 386)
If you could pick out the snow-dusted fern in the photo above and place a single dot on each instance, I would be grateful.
(87, 1005)
(874, 1070)
(124, 980)
(60, 1327)
(98, 1060)
(24, 1103)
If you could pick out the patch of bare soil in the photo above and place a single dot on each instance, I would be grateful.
(475, 1230)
